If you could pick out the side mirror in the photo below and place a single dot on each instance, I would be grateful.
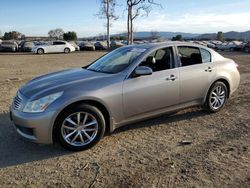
(143, 70)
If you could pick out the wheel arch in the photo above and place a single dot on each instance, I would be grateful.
(104, 110)
(66, 47)
(41, 48)
(223, 80)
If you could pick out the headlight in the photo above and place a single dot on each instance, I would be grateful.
(41, 104)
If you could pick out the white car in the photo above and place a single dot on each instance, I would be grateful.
(55, 47)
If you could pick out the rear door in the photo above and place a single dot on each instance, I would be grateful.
(61, 46)
(154, 92)
(196, 73)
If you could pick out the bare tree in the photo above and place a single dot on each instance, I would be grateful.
(135, 8)
(107, 11)
(56, 33)
(154, 35)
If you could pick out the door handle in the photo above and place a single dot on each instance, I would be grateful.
(171, 77)
(209, 69)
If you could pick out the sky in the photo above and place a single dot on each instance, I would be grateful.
(36, 18)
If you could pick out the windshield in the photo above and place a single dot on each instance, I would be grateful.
(116, 60)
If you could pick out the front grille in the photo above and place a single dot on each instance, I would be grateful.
(17, 104)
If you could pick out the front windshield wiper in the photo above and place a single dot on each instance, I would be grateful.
(94, 70)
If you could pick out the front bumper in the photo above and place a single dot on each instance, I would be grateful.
(35, 127)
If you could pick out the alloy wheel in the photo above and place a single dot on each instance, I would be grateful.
(217, 97)
(79, 129)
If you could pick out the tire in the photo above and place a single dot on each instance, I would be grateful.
(73, 134)
(216, 97)
(247, 50)
(66, 50)
(40, 51)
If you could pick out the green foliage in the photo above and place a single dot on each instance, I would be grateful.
(220, 36)
(71, 35)
(177, 38)
(12, 35)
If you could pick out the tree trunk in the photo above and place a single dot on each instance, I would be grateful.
(108, 24)
(131, 31)
(128, 25)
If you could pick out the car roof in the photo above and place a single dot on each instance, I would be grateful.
(168, 43)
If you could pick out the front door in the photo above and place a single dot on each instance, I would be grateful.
(152, 92)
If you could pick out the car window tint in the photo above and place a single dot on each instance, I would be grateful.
(159, 60)
(117, 60)
(206, 56)
(189, 55)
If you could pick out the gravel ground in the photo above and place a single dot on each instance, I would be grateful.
(145, 154)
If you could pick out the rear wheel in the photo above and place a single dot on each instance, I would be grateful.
(40, 51)
(80, 127)
(217, 97)
(66, 50)
(247, 49)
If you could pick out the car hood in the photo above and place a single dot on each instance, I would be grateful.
(58, 80)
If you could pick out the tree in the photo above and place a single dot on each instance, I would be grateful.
(56, 33)
(220, 36)
(23, 37)
(71, 35)
(107, 11)
(154, 35)
(134, 9)
(12, 35)
(177, 38)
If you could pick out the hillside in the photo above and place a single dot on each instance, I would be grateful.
(228, 35)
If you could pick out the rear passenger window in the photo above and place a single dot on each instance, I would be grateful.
(189, 55)
(206, 56)
(58, 43)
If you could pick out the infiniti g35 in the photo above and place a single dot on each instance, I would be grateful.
(129, 84)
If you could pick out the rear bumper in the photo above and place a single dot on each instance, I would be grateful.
(35, 127)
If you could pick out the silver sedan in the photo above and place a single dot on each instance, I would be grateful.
(132, 83)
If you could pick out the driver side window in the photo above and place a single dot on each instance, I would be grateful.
(159, 60)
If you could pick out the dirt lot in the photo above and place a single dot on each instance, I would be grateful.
(145, 154)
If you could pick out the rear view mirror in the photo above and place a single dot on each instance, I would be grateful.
(143, 70)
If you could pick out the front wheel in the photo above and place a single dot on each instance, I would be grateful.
(217, 97)
(80, 127)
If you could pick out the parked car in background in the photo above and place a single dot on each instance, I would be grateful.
(246, 48)
(101, 45)
(116, 44)
(88, 46)
(8, 46)
(40, 43)
(55, 47)
(129, 84)
(73, 43)
(26, 46)
(230, 46)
